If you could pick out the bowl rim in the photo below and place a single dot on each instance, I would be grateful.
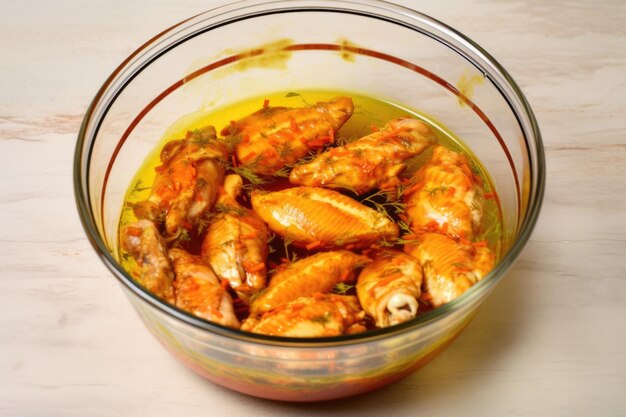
(368, 8)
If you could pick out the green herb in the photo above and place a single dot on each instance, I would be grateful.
(257, 294)
(222, 208)
(358, 152)
(440, 189)
(201, 183)
(232, 140)
(342, 288)
(401, 241)
(126, 257)
(294, 94)
(138, 188)
(203, 222)
(404, 227)
(322, 319)
(227, 243)
(284, 172)
(383, 201)
(345, 241)
(284, 150)
(304, 160)
(344, 140)
(290, 255)
(385, 243)
(203, 136)
(247, 172)
(270, 240)
(181, 238)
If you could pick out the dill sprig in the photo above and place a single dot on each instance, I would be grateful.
(384, 243)
(404, 227)
(284, 172)
(294, 94)
(247, 172)
(439, 189)
(126, 257)
(271, 236)
(344, 140)
(138, 188)
(233, 137)
(402, 241)
(202, 136)
(181, 238)
(342, 288)
(310, 157)
(383, 201)
(221, 208)
(290, 254)
(322, 319)
(203, 222)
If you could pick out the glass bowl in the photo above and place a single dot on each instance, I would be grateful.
(257, 47)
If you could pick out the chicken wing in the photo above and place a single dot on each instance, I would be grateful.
(198, 290)
(389, 287)
(319, 315)
(373, 161)
(187, 180)
(317, 217)
(316, 274)
(450, 266)
(144, 243)
(236, 244)
(447, 196)
(274, 137)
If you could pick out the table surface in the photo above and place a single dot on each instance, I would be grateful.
(550, 341)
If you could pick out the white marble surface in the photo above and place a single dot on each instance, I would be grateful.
(549, 342)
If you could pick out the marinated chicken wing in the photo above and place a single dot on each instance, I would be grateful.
(316, 274)
(320, 315)
(373, 161)
(186, 182)
(144, 243)
(198, 290)
(236, 244)
(388, 288)
(450, 266)
(317, 217)
(447, 197)
(273, 137)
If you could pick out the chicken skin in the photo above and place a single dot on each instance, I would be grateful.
(187, 180)
(319, 315)
(274, 137)
(316, 274)
(144, 243)
(447, 196)
(450, 266)
(389, 287)
(373, 161)
(236, 244)
(198, 290)
(317, 217)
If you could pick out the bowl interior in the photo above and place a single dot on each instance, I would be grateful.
(262, 47)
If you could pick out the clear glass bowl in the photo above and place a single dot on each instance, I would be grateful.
(257, 47)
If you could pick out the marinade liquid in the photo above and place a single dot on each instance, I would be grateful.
(369, 113)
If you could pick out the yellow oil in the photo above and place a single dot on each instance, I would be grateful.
(369, 112)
